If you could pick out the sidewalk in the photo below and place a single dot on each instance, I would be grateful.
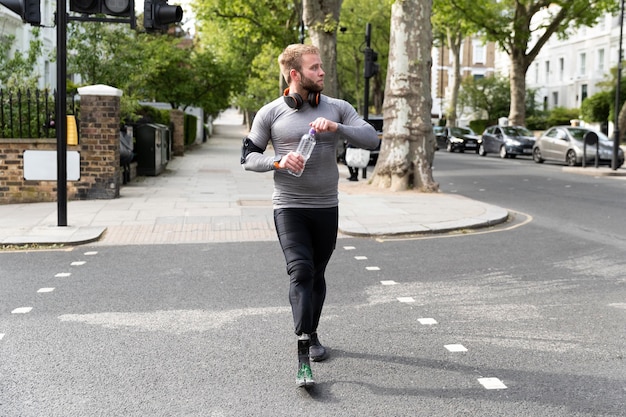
(205, 196)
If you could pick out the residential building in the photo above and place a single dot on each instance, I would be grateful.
(567, 71)
(477, 60)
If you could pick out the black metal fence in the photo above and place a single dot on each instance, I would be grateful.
(30, 114)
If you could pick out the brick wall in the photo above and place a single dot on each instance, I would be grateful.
(99, 148)
(100, 172)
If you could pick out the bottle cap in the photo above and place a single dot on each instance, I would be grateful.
(312, 131)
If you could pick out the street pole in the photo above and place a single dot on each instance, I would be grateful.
(366, 98)
(60, 110)
(616, 133)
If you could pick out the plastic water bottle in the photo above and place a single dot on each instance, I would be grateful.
(305, 148)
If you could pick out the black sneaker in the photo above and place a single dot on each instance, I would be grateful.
(317, 352)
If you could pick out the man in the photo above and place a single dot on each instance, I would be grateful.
(305, 207)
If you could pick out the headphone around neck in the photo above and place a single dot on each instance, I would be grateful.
(295, 100)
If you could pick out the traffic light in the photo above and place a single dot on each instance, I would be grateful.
(371, 67)
(123, 8)
(29, 10)
(157, 14)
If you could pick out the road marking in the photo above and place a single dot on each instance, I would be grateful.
(45, 290)
(1, 336)
(372, 268)
(388, 282)
(456, 348)
(492, 383)
(406, 299)
(427, 321)
(91, 253)
(63, 275)
(360, 258)
(349, 247)
(78, 263)
(22, 310)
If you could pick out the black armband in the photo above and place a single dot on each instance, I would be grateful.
(248, 148)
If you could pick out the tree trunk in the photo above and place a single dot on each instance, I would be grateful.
(621, 122)
(408, 146)
(517, 76)
(454, 43)
(322, 19)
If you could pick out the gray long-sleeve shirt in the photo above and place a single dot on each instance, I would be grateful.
(283, 126)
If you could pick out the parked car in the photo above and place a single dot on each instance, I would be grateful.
(507, 141)
(566, 144)
(456, 138)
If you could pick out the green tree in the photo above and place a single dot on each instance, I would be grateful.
(449, 24)
(238, 32)
(489, 97)
(355, 14)
(322, 19)
(597, 108)
(17, 71)
(522, 27)
(102, 53)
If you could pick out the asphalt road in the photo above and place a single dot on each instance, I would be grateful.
(525, 319)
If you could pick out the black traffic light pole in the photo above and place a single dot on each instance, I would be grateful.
(60, 110)
(616, 132)
(61, 100)
(366, 98)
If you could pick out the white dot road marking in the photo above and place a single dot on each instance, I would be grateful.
(372, 268)
(91, 253)
(45, 290)
(360, 258)
(388, 282)
(1, 336)
(349, 247)
(78, 263)
(427, 321)
(63, 275)
(406, 299)
(22, 310)
(456, 348)
(492, 383)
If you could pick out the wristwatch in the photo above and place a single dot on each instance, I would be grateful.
(277, 159)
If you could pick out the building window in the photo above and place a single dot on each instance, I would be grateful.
(479, 54)
(582, 67)
(547, 71)
(561, 69)
(555, 99)
(601, 59)
(537, 73)
(583, 92)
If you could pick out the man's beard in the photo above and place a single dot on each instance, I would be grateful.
(310, 86)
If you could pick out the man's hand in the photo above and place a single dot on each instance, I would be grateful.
(292, 161)
(323, 125)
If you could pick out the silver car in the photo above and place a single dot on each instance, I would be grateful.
(507, 141)
(566, 144)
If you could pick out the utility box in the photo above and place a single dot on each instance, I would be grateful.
(151, 149)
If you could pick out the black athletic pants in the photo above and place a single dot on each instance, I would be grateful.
(307, 238)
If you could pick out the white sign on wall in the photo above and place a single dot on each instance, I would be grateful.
(42, 165)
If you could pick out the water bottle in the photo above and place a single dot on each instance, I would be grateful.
(305, 148)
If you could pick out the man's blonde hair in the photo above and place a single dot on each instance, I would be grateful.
(291, 58)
